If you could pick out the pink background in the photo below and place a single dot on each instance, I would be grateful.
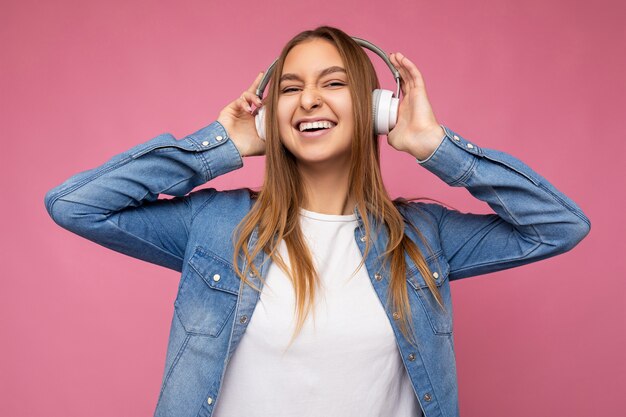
(84, 329)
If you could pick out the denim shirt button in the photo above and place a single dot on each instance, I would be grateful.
(395, 315)
(469, 145)
(209, 400)
(363, 238)
(427, 396)
(456, 137)
(205, 143)
(377, 276)
(436, 275)
(219, 138)
(216, 277)
(243, 319)
(411, 357)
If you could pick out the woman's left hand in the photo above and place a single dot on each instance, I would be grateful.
(417, 130)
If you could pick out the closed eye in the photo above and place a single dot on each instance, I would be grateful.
(334, 83)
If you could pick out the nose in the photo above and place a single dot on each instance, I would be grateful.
(310, 98)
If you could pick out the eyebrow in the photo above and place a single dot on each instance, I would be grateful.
(326, 71)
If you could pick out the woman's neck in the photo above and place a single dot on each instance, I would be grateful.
(327, 190)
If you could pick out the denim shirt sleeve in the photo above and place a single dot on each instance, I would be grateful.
(116, 204)
(532, 221)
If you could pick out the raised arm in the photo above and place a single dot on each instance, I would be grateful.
(116, 205)
(532, 221)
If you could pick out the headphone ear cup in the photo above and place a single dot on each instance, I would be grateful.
(384, 111)
(259, 121)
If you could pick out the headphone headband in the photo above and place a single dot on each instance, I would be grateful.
(362, 42)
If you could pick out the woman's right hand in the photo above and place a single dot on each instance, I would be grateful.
(238, 120)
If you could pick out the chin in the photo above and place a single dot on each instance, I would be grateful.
(321, 156)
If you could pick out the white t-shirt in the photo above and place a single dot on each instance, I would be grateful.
(345, 362)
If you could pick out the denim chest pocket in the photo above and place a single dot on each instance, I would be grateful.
(440, 320)
(207, 294)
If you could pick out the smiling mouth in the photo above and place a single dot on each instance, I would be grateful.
(313, 133)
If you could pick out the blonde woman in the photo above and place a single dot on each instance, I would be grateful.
(317, 295)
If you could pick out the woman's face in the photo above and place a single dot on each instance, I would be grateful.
(314, 85)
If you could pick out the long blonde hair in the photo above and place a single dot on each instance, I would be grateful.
(276, 209)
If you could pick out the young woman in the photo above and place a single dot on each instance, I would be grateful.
(317, 295)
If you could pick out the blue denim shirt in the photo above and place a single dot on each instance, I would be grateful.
(116, 206)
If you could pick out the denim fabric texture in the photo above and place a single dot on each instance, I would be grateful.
(116, 205)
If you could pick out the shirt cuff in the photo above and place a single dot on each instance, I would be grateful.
(453, 159)
(218, 151)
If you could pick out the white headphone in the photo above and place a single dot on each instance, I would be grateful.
(384, 102)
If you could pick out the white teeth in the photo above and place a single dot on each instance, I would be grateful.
(322, 124)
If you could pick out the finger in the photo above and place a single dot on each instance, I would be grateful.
(253, 98)
(416, 75)
(256, 82)
(404, 74)
(243, 104)
(395, 63)
(248, 99)
(408, 78)
(254, 87)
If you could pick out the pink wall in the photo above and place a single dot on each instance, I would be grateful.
(84, 329)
